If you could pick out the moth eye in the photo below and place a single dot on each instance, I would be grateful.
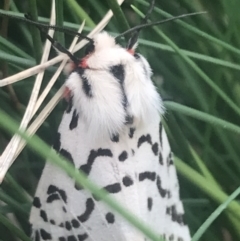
(89, 49)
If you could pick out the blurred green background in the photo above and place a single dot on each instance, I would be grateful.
(195, 64)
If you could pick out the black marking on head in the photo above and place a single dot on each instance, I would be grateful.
(136, 56)
(75, 223)
(160, 133)
(37, 236)
(127, 181)
(143, 139)
(131, 132)
(68, 225)
(133, 152)
(161, 190)
(147, 175)
(123, 156)
(37, 202)
(57, 142)
(118, 72)
(45, 235)
(155, 148)
(67, 155)
(149, 203)
(52, 222)
(89, 209)
(64, 209)
(82, 237)
(70, 105)
(170, 160)
(129, 120)
(110, 218)
(87, 88)
(43, 215)
(160, 158)
(90, 48)
(74, 121)
(56, 194)
(115, 138)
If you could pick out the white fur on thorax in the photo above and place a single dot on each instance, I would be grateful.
(104, 113)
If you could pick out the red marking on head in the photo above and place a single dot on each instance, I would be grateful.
(83, 63)
(67, 94)
(131, 51)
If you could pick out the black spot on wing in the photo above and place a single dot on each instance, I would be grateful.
(144, 138)
(37, 236)
(71, 238)
(89, 209)
(67, 155)
(45, 235)
(52, 222)
(171, 237)
(37, 202)
(161, 190)
(176, 217)
(160, 158)
(127, 181)
(155, 148)
(149, 203)
(123, 156)
(110, 218)
(86, 168)
(43, 215)
(87, 88)
(70, 105)
(160, 133)
(74, 121)
(53, 197)
(115, 138)
(147, 175)
(75, 223)
(68, 225)
(113, 188)
(62, 239)
(56, 193)
(131, 132)
(82, 237)
(57, 142)
(170, 160)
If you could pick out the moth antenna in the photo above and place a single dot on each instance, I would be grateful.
(46, 26)
(133, 40)
(54, 43)
(142, 26)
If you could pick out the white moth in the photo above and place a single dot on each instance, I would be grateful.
(112, 131)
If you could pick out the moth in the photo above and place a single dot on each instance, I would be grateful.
(112, 131)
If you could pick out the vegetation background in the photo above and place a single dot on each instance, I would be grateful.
(195, 62)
